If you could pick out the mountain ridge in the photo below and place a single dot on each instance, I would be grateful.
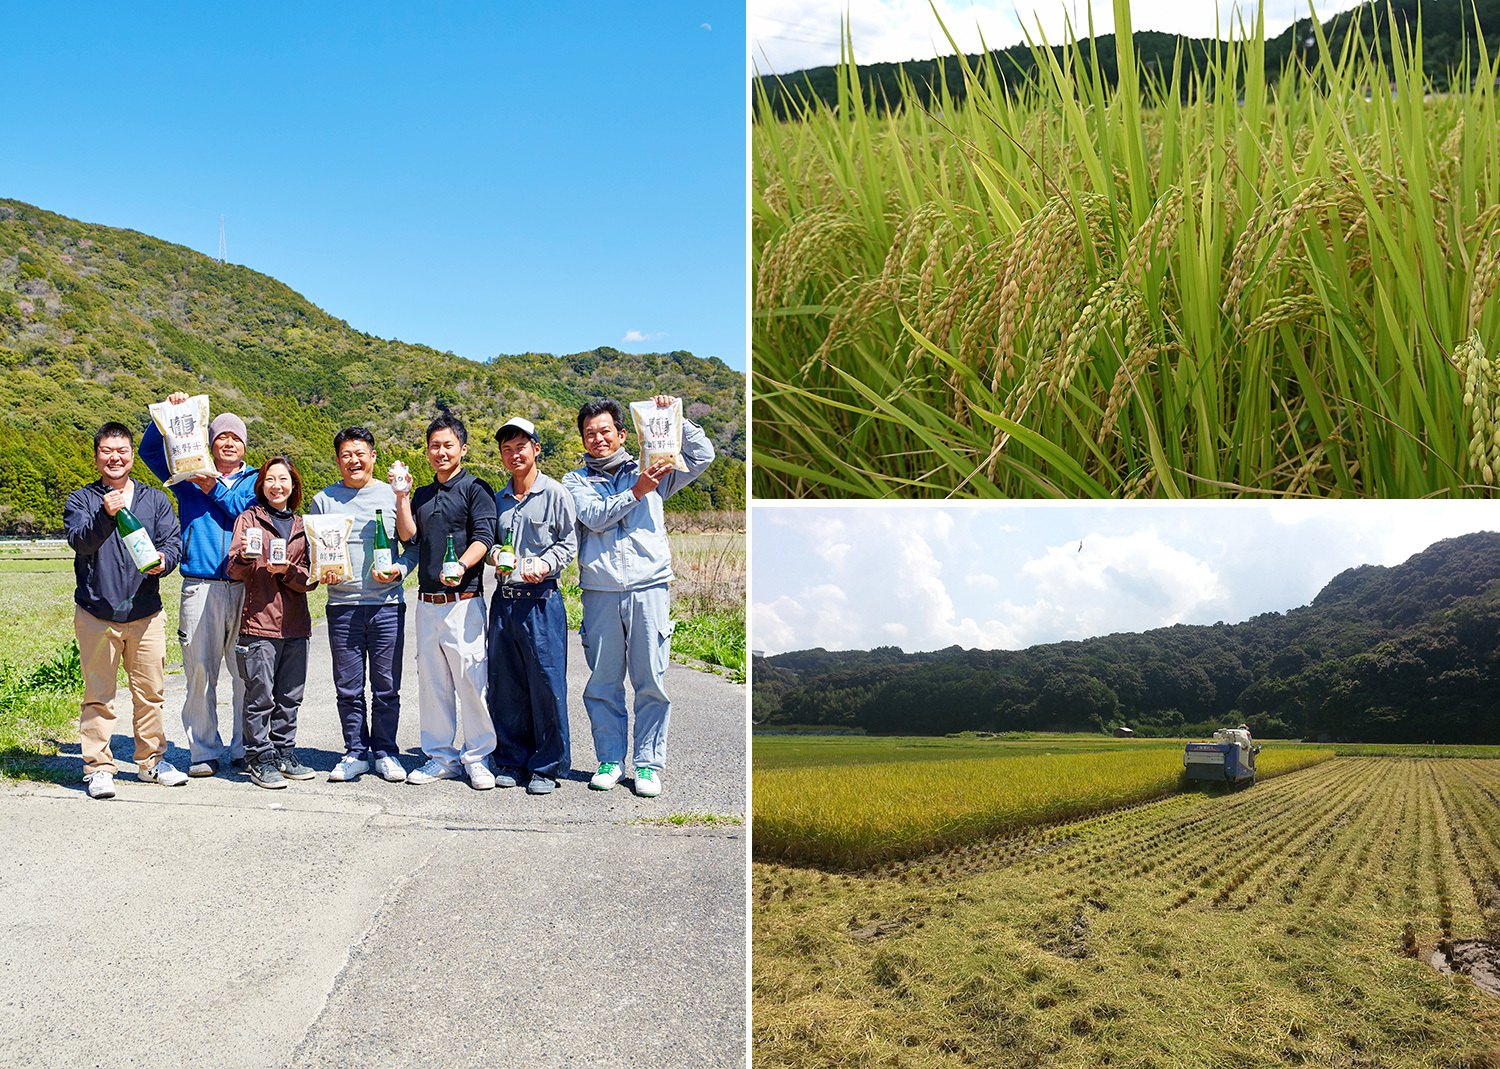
(97, 322)
(1406, 653)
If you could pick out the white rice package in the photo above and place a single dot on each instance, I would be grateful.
(660, 431)
(184, 429)
(328, 538)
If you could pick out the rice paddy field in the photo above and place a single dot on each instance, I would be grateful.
(1079, 290)
(1313, 919)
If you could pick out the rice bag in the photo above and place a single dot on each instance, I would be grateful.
(184, 430)
(328, 538)
(660, 431)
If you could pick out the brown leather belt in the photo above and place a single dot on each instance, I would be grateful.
(446, 599)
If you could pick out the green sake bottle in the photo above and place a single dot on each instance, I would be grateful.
(381, 560)
(136, 540)
(452, 569)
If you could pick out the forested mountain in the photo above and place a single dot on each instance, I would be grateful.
(1450, 33)
(1403, 654)
(96, 323)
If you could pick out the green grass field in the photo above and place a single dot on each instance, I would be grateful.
(36, 603)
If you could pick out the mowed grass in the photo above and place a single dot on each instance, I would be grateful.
(1261, 928)
(856, 815)
(1085, 290)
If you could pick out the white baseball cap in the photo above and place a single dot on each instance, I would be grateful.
(525, 426)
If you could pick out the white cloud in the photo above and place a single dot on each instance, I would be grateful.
(705, 26)
(640, 336)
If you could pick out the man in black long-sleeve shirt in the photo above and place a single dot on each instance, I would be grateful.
(118, 618)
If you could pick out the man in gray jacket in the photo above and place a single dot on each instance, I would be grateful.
(624, 566)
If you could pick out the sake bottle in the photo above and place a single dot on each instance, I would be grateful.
(452, 569)
(136, 540)
(505, 560)
(381, 561)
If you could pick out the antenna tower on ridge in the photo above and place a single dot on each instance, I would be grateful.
(221, 238)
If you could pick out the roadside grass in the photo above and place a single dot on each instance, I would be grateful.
(689, 820)
(842, 817)
(1078, 290)
(36, 603)
(1260, 928)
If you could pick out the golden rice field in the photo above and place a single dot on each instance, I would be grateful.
(1290, 924)
(850, 816)
(1089, 291)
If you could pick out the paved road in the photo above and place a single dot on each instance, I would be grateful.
(376, 924)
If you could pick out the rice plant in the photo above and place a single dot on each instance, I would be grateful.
(1072, 289)
(849, 816)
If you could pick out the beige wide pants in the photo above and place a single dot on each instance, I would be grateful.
(103, 646)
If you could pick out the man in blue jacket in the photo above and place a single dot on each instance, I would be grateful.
(117, 613)
(624, 566)
(208, 624)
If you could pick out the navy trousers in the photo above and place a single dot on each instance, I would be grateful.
(375, 634)
(528, 691)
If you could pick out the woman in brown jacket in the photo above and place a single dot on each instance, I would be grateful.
(270, 555)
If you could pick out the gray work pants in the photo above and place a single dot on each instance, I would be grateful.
(208, 627)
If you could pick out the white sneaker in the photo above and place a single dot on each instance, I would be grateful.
(608, 775)
(480, 776)
(390, 770)
(101, 784)
(430, 773)
(163, 772)
(646, 783)
(348, 768)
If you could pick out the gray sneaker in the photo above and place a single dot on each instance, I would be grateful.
(541, 785)
(264, 773)
(292, 768)
(508, 776)
(101, 783)
(204, 768)
(162, 772)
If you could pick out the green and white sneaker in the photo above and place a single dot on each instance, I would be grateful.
(646, 783)
(608, 775)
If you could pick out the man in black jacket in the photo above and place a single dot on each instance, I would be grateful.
(118, 617)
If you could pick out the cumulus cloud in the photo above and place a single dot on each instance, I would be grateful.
(640, 336)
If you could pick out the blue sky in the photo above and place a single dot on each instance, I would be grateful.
(1005, 576)
(790, 35)
(486, 178)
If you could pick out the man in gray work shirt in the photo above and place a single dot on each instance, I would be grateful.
(528, 640)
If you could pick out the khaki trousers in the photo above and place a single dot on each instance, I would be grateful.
(103, 646)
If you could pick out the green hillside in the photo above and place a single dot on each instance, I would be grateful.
(96, 323)
(1409, 653)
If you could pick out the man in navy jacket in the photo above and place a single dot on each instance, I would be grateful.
(208, 624)
(118, 617)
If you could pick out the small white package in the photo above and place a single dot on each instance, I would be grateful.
(184, 430)
(660, 431)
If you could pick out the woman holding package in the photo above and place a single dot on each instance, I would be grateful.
(270, 555)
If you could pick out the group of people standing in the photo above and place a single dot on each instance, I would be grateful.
(502, 680)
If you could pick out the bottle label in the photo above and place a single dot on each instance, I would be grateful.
(380, 561)
(507, 559)
(142, 552)
(453, 570)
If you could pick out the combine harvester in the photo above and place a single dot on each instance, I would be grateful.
(1229, 759)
